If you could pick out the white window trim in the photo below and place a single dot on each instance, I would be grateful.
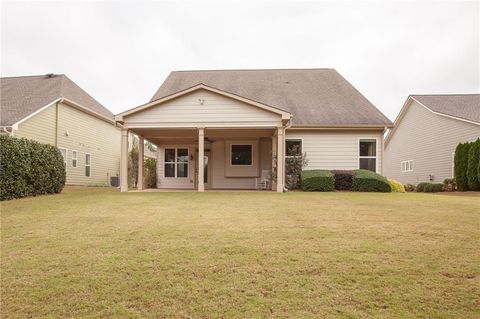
(294, 139)
(65, 159)
(89, 165)
(75, 158)
(406, 166)
(238, 165)
(176, 162)
(376, 151)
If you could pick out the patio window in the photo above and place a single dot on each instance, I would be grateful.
(241, 154)
(368, 155)
(293, 148)
(88, 165)
(176, 162)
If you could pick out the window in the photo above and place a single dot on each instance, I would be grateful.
(88, 165)
(74, 158)
(293, 148)
(241, 154)
(176, 162)
(368, 155)
(407, 166)
(63, 151)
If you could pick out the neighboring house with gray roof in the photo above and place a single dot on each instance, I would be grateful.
(421, 146)
(52, 109)
(238, 126)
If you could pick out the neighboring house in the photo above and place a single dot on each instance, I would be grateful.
(421, 146)
(235, 125)
(52, 109)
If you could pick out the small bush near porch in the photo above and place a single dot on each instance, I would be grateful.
(94, 252)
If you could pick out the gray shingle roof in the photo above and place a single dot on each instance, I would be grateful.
(464, 106)
(23, 95)
(316, 97)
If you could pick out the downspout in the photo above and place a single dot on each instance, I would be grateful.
(56, 124)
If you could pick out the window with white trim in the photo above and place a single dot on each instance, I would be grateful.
(293, 147)
(176, 162)
(367, 158)
(88, 165)
(407, 166)
(74, 158)
(63, 151)
(241, 154)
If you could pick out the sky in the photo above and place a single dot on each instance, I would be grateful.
(121, 52)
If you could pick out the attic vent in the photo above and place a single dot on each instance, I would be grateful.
(49, 75)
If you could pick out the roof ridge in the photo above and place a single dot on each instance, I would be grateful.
(445, 94)
(29, 76)
(273, 69)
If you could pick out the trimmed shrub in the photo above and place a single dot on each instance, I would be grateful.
(150, 173)
(409, 187)
(343, 180)
(433, 188)
(472, 166)
(420, 187)
(396, 186)
(461, 165)
(29, 168)
(368, 181)
(317, 180)
(449, 185)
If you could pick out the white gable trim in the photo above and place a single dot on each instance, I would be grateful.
(285, 115)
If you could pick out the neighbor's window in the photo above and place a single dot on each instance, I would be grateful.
(368, 155)
(74, 158)
(241, 154)
(293, 148)
(63, 151)
(407, 166)
(176, 162)
(88, 164)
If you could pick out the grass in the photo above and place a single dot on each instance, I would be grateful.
(94, 252)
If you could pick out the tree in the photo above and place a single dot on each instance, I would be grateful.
(472, 166)
(460, 166)
(150, 174)
(133, 164)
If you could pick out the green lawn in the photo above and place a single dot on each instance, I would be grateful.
(94, 252)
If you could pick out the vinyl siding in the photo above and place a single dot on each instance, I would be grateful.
(335, 149)
(430, 141)
(40, 127)
(216, 111)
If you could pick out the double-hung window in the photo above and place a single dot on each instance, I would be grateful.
(176, 162)
(407, 166)
(293, 147)
(241, 154)
(88, 165)
(74, 158)
(368, 154)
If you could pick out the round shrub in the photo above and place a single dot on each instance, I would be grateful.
(317, 180)
(396, 186)
(449, 185)
(368, 181)
(420, 187)
(409, 187)
(343, 179)
(472, 166)
(29, 168)
(433, 188)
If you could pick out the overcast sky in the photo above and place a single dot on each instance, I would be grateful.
(121, 52)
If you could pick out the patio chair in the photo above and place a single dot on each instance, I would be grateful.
(264, 181)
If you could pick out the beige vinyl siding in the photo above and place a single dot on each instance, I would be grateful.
(88, 135)
(40, 127)
(173, 182)
(335, 149)
(216, 111)
(429, 140)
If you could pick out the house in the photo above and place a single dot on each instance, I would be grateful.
(224, 129)
(421, 146)
(52, 109)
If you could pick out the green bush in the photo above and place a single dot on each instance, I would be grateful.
(420, 187)
(150, 173)
(433, 188)
(317, 180)
(409, 187)
(368, 181)
(29, 168)
(472, 166)
(396, 186)
(449, 185)
(461, 165)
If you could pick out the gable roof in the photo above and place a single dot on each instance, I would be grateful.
(315, 97)
(24, 95)
(461, 106)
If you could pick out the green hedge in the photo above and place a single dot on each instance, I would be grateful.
(317, 180)
(421, 187)
(29, 168)
(461, 165)
(472, 166)
(396, 186)
(368, 181)
(433, 188)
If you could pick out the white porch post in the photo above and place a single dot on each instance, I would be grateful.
(201, 146)
(141, 147)
(280, 159)
(124, 161)
(274, 159)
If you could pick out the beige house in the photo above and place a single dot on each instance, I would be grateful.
(421, 146)
(231, 129)
(52, 109)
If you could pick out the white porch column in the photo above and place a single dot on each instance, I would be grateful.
(280, 159)
(274, 159)
(201, 146)
(124, 161)
(141, 147)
